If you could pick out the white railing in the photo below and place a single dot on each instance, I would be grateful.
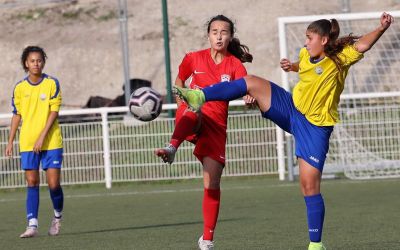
(106, 145)
(109, 146)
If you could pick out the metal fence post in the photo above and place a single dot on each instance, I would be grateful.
(106, 148)
(289, 147)
(281, 153)
(123, 23)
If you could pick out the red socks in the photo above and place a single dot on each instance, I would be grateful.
(211, 202)
(184, 127)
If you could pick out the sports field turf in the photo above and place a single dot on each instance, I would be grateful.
(256, 213)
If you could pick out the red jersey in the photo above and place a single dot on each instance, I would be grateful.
(204, 72)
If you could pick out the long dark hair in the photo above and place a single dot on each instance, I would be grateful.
(240, 51)
(335, 45)
(31, 49)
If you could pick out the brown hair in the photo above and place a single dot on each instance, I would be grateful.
(31, 49)
(335, 45)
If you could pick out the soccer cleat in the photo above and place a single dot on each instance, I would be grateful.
(316, 246)
(30, 232)
(167, 154)
(205, 244)
(194, 98)
(55, 227)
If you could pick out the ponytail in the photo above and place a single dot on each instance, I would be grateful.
(335, 44)
(240, 51)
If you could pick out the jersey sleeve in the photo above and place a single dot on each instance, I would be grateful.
(350, 55)
(240, 71)
(186, 67)
(55, 98)
(16, 101)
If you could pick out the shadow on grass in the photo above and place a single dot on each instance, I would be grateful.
(148, 226)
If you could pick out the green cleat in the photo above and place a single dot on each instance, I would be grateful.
(316, 246)
(193, 97)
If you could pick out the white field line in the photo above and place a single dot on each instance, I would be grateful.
(164, 191)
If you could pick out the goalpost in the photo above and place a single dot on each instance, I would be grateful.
(366, 144)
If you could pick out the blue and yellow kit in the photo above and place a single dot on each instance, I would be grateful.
(317, 93)
(34, 102)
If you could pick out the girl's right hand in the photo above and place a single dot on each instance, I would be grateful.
(248, 99)
(286, 65)
(178, 102)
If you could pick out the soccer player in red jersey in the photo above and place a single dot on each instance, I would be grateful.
(207, 129)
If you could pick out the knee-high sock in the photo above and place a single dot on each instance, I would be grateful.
(57, 197)
(315, 216)
(32, 205)
(183, 128)
(211, 202)
(226, 91)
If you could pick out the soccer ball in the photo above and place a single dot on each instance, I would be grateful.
(145, 104)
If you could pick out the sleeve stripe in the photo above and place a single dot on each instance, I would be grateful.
(14, 108)
(57, 88)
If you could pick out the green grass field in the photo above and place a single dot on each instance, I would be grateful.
(256, 213)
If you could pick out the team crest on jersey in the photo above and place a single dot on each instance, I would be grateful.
(225, 78)
(43, 97)
(319, 70)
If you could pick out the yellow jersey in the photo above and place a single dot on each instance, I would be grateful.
(317, 93)
(34, 102)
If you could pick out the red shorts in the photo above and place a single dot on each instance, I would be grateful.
(210, 140)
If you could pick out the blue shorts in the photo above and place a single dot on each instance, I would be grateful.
(311, 141)
(49, 159)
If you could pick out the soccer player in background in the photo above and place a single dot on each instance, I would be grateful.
(312, 110)
(207, 129)
(36, 101)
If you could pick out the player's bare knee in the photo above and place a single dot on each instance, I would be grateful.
(309, 188)
(32, 181)
(53, 183)
(255, 84)
(250, 82)
(212, 182)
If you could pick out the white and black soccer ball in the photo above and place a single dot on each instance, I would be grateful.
(145, 104)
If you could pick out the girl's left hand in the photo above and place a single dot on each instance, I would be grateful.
(38, 145)
(386, 20)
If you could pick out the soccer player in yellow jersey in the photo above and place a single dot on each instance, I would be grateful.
(36, 101)
(310, 113)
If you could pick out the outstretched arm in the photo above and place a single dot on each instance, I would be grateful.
(368, 40)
